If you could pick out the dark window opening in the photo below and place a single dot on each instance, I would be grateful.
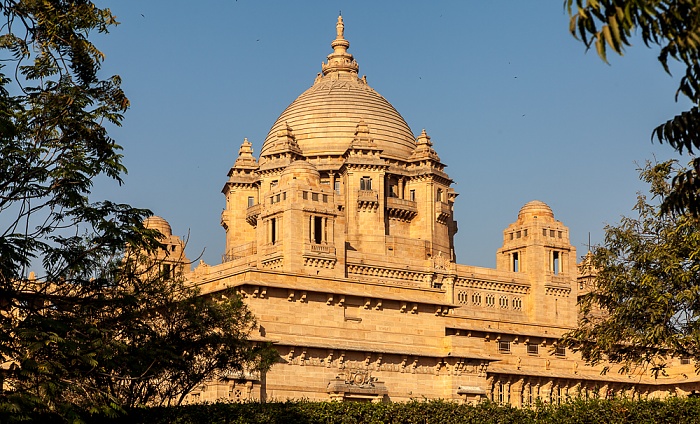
(365, 183)
(318, 229)
(516, 262)
(251, 201)
(273, 230)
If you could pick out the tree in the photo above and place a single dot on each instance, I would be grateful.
(674, 26)
(92, 331)
(645, 303)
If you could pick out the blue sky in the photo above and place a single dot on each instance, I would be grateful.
(515, 106)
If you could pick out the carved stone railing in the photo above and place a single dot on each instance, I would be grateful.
(401, 209)
(323, 249)
(367, 199)
(272, 248)
(241, 251)
(443, 211)
(252, 214)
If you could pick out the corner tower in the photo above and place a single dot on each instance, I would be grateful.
(538, 246)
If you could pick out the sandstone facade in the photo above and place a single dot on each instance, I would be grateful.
(340, 237)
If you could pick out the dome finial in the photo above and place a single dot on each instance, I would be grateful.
(340, 28)
(340, 60)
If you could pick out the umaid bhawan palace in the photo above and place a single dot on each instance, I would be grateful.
(340, 238)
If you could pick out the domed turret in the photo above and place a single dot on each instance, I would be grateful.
(535, 209)
(302, 171)
(157, 223)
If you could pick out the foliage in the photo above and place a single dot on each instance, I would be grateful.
(672, 410)
(645, 303)
(674, 26)
(91, 331)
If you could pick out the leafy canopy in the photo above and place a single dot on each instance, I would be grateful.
(673, 26)
(92, 331)
(644, 305)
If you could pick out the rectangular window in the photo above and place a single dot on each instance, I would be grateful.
(304, 195)
(504, 347)
(251, 201)
(325, 198)
(318, 230)
(560, 351)
(544, 232)
(273, 230)
(555, 262)
(365, 183)
(559, 234)
(412, 195)
(518, 234)
(524, 233)
(166, 271)
(685, 361)
(527, 395)
(501, 393)
(533, 349)
(337, 186)
(516, 262)
(551, 233)
(277, 198)
(439, 195)
(273, 184)
(314, 197)
(284, 196)
(511, 236)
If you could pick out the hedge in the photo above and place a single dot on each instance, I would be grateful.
(672, 410)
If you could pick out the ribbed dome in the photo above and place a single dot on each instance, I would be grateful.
(157, 223)
(301, 170)
(325, 116)
(535, 208)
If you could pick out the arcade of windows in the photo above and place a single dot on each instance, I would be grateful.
(314, 196)
(504, 302)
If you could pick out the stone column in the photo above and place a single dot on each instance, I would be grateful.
(546, 392)
(517, 392)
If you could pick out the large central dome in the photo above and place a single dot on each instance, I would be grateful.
(324, 117)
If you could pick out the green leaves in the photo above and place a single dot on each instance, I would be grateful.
(645, 303)
(673, 26)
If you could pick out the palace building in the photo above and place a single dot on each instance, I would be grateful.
(340, 237)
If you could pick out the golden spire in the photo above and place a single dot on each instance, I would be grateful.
(340, 60)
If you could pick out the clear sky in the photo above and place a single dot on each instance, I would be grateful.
(515, 106)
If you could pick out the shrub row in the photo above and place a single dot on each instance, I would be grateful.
(672, 410)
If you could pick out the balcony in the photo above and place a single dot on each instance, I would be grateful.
(252, 214)
(319, 255)
(319, 249)
(401, 209)
(443, 211)
(367, 199)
